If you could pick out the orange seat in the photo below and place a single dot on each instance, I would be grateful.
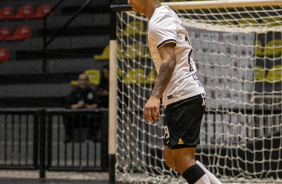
(25, 12)
(5, 33)
(21, 33)
(6, 13)
(42, 11)
(4, 54)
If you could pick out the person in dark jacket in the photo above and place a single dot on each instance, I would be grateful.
(103, 88)
(82, 97)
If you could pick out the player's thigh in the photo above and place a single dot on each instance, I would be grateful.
(182, 123)
(168, 157)
(183, 158)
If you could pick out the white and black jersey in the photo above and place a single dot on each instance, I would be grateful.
(165, 27)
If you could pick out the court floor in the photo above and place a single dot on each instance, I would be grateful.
(71, 181)
(49, 181)
(32, 177)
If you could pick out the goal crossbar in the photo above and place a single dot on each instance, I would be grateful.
(221, 4)
(189, 5)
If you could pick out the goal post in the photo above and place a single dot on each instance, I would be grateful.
(237, 47)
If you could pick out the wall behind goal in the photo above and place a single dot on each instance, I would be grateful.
(225, 66)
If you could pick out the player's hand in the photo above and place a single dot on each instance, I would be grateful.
(151, 109)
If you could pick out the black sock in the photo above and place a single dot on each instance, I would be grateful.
(193, 174)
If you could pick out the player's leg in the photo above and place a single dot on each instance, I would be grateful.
(169, 160)
(182, 123)
(183, 158)
(212, 178)
(184, 162)
(168, 157)
(169, 163)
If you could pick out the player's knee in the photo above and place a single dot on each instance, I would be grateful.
(181, 163)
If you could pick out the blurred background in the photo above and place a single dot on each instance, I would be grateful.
(44, 46)
(74, 33)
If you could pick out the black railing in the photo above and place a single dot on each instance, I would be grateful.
(19, 138)
(77, 140)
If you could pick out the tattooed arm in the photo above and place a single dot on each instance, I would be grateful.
(151, 109)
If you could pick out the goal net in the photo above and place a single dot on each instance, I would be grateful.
(237, 48)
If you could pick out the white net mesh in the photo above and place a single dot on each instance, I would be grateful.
(237, 50)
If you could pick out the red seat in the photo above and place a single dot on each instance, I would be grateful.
(5, 33)
(6, 13)
(4, 54)
(22, 33)
(25, 12)
(42, 11)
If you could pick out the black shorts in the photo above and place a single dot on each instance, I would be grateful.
(182, 122)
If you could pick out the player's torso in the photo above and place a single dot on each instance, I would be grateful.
(183, 83)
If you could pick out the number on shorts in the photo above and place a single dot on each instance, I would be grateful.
(166, 132)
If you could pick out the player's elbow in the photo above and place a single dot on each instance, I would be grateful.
(171, 62)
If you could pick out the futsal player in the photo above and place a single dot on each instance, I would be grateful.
(182, 93)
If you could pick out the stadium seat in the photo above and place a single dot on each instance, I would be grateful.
(134, 28)
(225, 21)
(136, 50)
(21, 33)
(6, 13)
(25, 12)
(274, 74)
(5, 33)
(272, 21)
(258, 49)
(135, 76)
(247, 21)
(74, 83)
(42, 11)
(119, 72)
(4, 55)
(272, 48)
(94, 76)
(258, 74)
(151, 77)
(106, 53)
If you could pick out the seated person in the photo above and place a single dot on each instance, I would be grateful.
(82, 97)
(103, 88)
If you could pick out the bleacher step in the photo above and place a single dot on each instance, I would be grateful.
(58, 53)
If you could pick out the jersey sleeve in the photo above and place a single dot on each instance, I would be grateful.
(164, 29)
